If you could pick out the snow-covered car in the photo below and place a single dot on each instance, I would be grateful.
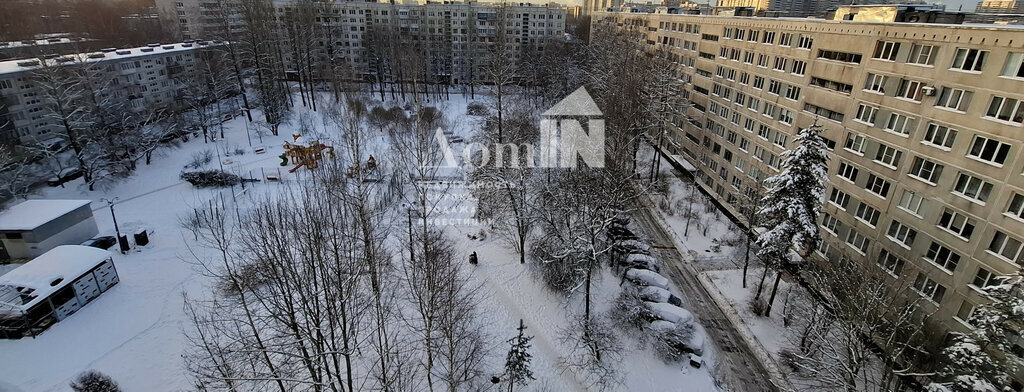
(618, 233)
(103, 242)
(668, 312)
(64, 176)
(643, 277)
(679, 339)
(658, 294)
(641, 261)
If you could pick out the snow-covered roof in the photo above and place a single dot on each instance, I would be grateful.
(41, 42)
(66, 262)
(11, 66)
(31, 214)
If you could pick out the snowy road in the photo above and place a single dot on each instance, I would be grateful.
(736, 368)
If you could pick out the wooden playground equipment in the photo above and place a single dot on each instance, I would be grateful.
(302, 154)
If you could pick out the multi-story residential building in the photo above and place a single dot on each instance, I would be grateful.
(455, 33)
(923, 122)
(145, 77)
(44, 46)
(1000, 7)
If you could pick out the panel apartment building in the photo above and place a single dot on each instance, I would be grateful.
(924, 123)
(462, 30)
(146, 77)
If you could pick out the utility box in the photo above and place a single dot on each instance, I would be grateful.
(141, 238)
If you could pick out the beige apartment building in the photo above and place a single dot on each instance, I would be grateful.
(925, 124)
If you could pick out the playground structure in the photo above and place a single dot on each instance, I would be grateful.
(302, 154)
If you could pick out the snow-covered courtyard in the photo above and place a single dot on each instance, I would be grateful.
(135, 332)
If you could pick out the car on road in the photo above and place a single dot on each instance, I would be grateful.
(64, 176)
(103, 242)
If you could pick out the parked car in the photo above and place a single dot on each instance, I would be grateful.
(64, 176)
(642, 277)
(103, 242)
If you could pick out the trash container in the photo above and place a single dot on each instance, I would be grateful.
(123, 241)
(141, 238)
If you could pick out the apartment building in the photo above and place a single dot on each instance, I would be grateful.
(924, 124)
(146, 77)
(455, 33)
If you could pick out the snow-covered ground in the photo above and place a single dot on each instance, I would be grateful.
(134, 331)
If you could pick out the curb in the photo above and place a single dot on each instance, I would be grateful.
(774, 373)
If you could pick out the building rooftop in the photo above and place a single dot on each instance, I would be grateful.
(31, 283)
(41, 42)
(978, 26)
(31, 214)
(109, 54)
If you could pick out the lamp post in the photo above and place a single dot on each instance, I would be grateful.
(117, 230)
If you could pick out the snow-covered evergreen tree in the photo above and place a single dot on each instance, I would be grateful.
(792, 203)
(517, 364)
(980, 361)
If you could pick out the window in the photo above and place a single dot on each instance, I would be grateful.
(785, 116)
(779, 64)
(824, 112)
(774, 87)
(954, 98)
(769, 38)
(748, 57)
(799, 67)
(805, 41)
(989, 150)
(1005, 246)
(886, 50)
(942, 256)
(867, 113)
(911, 202)
(769, 109)
(855, 143)
(928, 288)
(901, 234)
(831, 85)
(744, 144)
(753, 35)
(956, 223)
(764, 132)
(878, 186)
(847, 171)
(762, 60)
(831, 224)
(758, 82)
(792, 92)
(890, 263)
(972, 188)
(910, 89)
(922, 54)
(939, 136)
(857, 241)
(888, 156)
(1014, 67)
(845, 57)
(985, 278)
(899, 124)
(876, 83)
(926, 170)
(867, 214)
(1006, 109)
(786, 39)
(969, 59)
(839, 198)
(1016, 206)
(780, 139)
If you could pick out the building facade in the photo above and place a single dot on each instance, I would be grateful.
(924, 124)
(453, 33)
(146, 78)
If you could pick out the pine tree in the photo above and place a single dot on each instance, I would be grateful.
(793, 202)
(971, 365)
(517, 364)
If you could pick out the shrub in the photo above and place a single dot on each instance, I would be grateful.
(758, 306)
(210, 178)
(94, 381)
(629, 311)
(200, 159)
(476, 109)
(673, 344)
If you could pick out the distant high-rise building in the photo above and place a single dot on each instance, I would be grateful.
(1000, 7)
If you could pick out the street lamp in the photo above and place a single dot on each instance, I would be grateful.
(122, 245)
